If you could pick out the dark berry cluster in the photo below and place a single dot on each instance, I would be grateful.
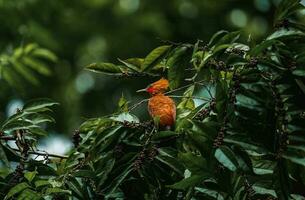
(236, 51)
(127, 75)
(252, 63)
(248, 188)
(282, 121)
(146, 155)
(202, 114)
(118, 150)
(235, 88)
(17, 175)
(147, 125)
(220, 136)
(76, 139)
(282, 24)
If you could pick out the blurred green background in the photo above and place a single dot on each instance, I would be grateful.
(81, 32)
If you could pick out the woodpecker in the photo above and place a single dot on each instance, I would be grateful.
(160, 105)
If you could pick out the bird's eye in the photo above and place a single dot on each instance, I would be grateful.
(150, 90)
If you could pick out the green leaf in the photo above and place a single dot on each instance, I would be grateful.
(286, 8)
(163, 134)
(154, 57)
(211, 193)
(39, 183)
(284, 33)
(105, 68)
(125, 116)
(259, 189)
(3, 157)
(133, 64)
(57, 190)
(216, 37)
(119, 180)
(16, 189)
(28, 194)
(123, 104)
(226, 157)
(37, 105)
(44, 53)
(186, 183)
(177, 63)
(37, 65)
(295, 159)
(30, 175)
(24, 72)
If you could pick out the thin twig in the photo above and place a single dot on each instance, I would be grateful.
(43, 154)
(188, 85)
(137, 104)
(194, 97)
(7, 138)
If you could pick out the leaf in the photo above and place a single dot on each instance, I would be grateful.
(44, 53)
(105, 68)
(216, 37)
(211, 193)
(16, 189)
(262, 190)
(28, 194)
(164, 134)
(17, 125)
(26, 73)
(38, 105)
(262, 46)
(125, 117)
(194, 163)
(123, 104)
(154, 57)
(132, 64)
(118, 180)
(37, 65)
(228, 38)
(284, 33)
(226, 157)
(187, 183)
(57, 190)
(3, 157)
(295, 159)
(39, 183)
(286, 8)
(177, 63)
(30, 175)
(300, 84)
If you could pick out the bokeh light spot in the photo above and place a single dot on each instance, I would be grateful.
(12, 106)
(84, 82)
(188, 10)
(262, 5)
(129, 5)
(238, 18)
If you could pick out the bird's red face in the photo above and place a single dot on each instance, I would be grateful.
(158, 87)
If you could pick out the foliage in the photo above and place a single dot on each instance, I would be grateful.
(23, 62)
(239, 132)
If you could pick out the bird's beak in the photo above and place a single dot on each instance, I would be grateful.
(142, 90)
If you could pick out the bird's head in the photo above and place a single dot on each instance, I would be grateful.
(157, 87)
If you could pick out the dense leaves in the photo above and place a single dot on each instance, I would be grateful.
(239, 132)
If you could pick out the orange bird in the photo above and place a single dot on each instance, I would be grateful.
(159, 105)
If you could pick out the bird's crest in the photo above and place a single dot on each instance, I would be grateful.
(157, 87)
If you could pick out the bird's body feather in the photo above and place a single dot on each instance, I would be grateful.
(163, 107)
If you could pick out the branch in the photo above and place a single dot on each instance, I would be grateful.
(6, 138)
(43, 154)
(193, 97)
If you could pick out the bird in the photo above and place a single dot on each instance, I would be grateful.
(159, 105)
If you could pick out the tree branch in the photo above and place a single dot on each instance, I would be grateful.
(43, 154)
